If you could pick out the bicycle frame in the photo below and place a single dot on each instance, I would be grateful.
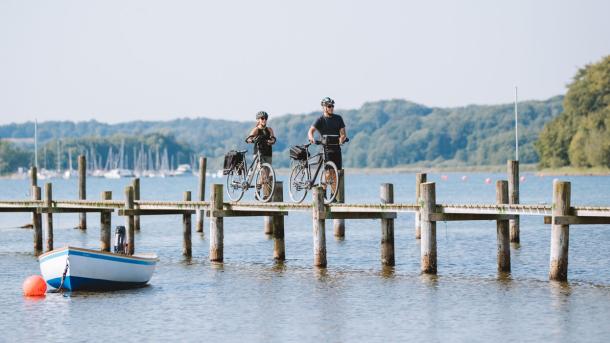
(250, 170)
(321, 156)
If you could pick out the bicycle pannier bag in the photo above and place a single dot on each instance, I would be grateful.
(298, 152)
(232, 159)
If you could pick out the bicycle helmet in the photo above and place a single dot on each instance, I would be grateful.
(262, 114)
(327, 101)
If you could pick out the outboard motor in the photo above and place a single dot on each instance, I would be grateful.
(119, 240)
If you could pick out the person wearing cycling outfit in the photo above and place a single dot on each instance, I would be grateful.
(267, 138)
(330, 124)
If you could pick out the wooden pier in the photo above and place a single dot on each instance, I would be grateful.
(506, 212)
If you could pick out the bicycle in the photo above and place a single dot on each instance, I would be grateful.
(301, 179)
(240, 175)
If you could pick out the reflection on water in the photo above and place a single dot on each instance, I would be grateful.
(252, 297)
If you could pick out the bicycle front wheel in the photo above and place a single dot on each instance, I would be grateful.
(265, 183)
(236, 179)
(329, 180)
(298, 183)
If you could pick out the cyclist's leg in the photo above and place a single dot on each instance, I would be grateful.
(334, 156)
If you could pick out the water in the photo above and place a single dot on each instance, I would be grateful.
(250, 298)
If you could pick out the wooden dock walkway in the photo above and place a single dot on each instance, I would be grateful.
(560, 216)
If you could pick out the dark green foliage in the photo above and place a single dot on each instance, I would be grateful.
(13, 157)
(580, 136)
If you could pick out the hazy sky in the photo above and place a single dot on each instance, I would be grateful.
(125, 60)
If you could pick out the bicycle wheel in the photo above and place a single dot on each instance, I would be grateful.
(329, 180)
(265, 183)
(298, 183)
(236, 179)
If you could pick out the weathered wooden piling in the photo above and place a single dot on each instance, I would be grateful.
(319, 228)
(339, 224)
(82, 189)
(186, 229)
(560, 234)
(129, 220)
(427, 204)
(502, 229)
(105, 224)
(387, 227)
(33, 183)
(279, 248)
(37, 224)
(513, 197)
(419, 179)
(48, 201)
(201, 195)
(216, 224)
(136, 196)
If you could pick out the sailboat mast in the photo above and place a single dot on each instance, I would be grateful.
(36, 143)
(516, 128)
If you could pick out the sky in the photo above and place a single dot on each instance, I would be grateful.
(116, 61)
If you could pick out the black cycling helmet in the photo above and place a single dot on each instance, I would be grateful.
(262, 114)
(327, 101)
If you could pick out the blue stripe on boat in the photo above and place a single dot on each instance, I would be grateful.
(75, 283)
(98, 256)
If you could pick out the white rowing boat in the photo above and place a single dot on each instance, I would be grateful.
(76, 269)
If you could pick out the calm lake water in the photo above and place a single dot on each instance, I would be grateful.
(250, 298)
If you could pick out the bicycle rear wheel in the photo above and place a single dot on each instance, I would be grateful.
(236, 179)
(265, 183)
(329, 180)
(298, 183)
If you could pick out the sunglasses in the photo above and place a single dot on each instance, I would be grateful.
(330, 106)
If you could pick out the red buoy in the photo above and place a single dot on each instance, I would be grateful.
(34, 286)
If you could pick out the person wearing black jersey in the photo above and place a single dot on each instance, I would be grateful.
(330, 123)
(267, 135)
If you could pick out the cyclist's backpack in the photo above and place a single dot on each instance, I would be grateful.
(298, 152)
(232, 159)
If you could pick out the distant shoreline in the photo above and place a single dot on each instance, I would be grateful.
(524, 168)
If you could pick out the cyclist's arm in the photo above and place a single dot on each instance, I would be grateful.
(342, 135)
(310, 134)
(252, 134)
(272, 139)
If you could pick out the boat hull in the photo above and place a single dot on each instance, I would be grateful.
(95, 270)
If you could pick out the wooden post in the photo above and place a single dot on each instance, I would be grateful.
(339, 224)
(82, 189)
(105, 224)
(48, 200)
(502, 231)
(513, 197)
(33, 183)
(387, 227)
(186, 229)
(428, 228)
(129, 221)
(319, 228)
(37, 222)
(268, 225)
(279, 248)
(419, 179)
(202, 167)
(560, 234)
(34, 176)
(136, 196)
(216, 224)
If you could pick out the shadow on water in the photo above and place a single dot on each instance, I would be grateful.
(429, 280)
(560, 293)
(387, 272)
(505, 278)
